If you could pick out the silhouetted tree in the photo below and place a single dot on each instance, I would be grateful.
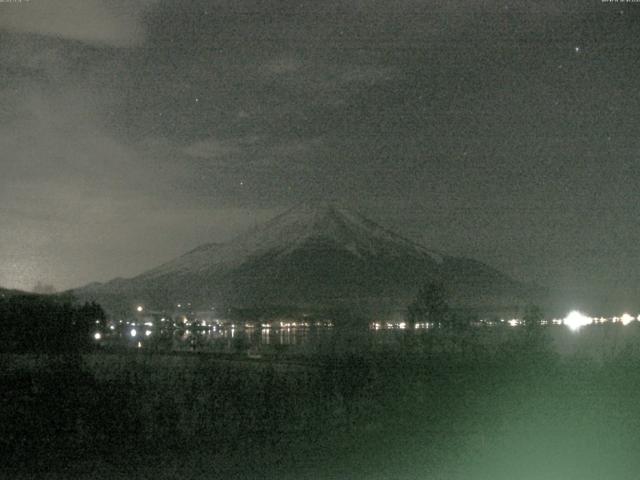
(430, 305)
(536, 341)
(532, 317)
(43, 288)
(47, 324)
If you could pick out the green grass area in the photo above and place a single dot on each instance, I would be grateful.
(517, 412)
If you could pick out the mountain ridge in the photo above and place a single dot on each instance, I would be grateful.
(311, 255)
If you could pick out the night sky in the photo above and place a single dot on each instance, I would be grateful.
(507, 131)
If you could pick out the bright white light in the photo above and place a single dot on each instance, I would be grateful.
(139, 308)
(133, 332)
(97, 335)
(575, 320)
(626, 319)
(402, 325)
(147, 332)
(112, 327)
(513, 322)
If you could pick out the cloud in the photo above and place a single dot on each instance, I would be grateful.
(78, 205)
(281, 66)
(110, 23)
(246, 155)
(211, 148)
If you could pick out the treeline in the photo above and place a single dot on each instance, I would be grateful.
(47, 324)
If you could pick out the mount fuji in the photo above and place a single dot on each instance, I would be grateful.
(311, 256)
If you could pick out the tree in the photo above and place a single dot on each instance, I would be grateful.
(430, 305)
(532, 317)
(46, 324)
(536, 339)
(43, 288)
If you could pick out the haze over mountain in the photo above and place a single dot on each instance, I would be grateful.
(311, 256)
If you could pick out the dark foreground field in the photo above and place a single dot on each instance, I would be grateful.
(517, 413)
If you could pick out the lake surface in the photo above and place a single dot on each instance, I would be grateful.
(597, 341)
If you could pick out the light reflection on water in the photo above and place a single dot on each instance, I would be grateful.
(256, 339)
(240, 339)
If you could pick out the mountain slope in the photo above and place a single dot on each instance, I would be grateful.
(309, 256)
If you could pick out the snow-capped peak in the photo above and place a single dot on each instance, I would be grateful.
(303, 224)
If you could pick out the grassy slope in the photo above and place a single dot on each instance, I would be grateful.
(509, 415)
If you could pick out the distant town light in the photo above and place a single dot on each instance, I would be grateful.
(575, 320)
(626, 319)
(133, 332)
(97, 335)
(147, 332)
(139, 308)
